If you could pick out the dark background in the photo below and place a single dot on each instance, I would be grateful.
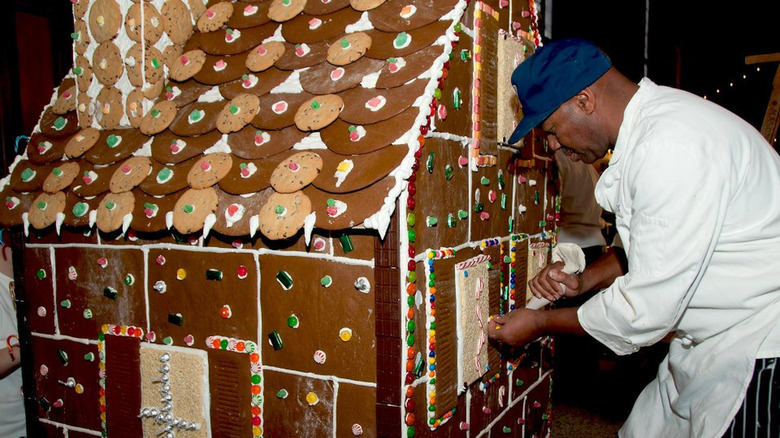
(698, 46)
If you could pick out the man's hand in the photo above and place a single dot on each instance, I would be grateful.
(548, 283)
(516, 328)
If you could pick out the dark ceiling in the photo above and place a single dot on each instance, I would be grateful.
(699, 46)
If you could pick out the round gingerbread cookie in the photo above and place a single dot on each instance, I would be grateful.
(105, 17)
(284, 214)
(81, 142)
(152, 26)
(109, 107)
(159, 117)
(66, 101)
(171, 54)
(238, 113)
(129, 174)
(296, 172)
(264, 56)
(85, 109)
(365, 5)
(80, 36)
(176, 21)
(153, 91)
(318, 112)
(61, 177)
(349, 49)
(215, 17)
(186, 65)
(112, 211)
(197, 8)
(134, 107)
(209, 170)
(44, 210)
(193, 207)
(149, 61)
(107, 63)
(283, 10)
(83, 72)
(80, 8)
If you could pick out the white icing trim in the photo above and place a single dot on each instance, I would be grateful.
(145, 150)
(213, 95)
(60, 218)
(308, 227)
(292, 84)
(311, 141)
(68, 427)
(254, 224)
(220, 146)
(361, 25)
(214, 250)
(209, 222)
(319, 376)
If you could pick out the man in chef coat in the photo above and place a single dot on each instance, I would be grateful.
(694, 190)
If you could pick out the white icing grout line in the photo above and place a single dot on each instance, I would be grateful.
(511, 405)
(59, 337)
(329, 257)
(335, 406)
(145, 252)
(54, 292)
(69, 427)
(320, 377)
(260, 336)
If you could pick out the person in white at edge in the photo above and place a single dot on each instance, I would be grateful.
(580, 220)
(695, 193)
(12, 420)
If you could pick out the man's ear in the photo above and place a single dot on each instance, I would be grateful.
(585, 100)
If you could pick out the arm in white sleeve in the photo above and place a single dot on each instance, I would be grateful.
(677, 201)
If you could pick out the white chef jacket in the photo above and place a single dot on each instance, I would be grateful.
(696, 196)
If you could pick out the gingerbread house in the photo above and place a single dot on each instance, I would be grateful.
(282, 218)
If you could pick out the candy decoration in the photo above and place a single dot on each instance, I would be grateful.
(326, 281)
(176, 318)
(282, 394)
(110, 293)
(345, 334)
(320, 357)
(226, 312)
(362, 285)
(284, 279)
(312, 399)
(292, 321)
(275, 340)
(346, 243)
(213, 274)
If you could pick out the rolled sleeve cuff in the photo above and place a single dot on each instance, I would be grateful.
(593, 317)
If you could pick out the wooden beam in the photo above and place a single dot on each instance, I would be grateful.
(772, 115)
(758, 59)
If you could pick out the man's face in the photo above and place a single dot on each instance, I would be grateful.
(568, 128)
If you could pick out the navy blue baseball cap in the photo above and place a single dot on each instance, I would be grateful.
(551, 76)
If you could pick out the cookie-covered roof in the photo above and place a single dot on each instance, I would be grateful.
(238, 117)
